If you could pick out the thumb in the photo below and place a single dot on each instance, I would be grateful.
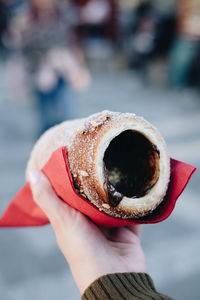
(44, 195)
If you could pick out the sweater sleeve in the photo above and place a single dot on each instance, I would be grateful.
(123, 286)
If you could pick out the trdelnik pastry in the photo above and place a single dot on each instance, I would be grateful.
(118, 161)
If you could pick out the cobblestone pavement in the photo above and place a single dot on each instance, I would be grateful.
(31, 266)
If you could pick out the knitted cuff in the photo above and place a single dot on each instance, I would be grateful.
(123, 286)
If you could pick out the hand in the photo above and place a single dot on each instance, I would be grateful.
(90, 250)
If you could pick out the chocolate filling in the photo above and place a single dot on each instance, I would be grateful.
(131, 166)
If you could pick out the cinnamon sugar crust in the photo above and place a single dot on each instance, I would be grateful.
(111, 148)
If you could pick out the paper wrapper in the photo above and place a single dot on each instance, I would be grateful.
(23, 211)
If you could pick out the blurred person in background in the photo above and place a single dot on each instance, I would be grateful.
(143, 36)
(126, 18)
(42, 35)
(4, 18)
(185, 64)
(194, 69)
(149, 34)
(96, 24)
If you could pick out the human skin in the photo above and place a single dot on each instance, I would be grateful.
(90, 250)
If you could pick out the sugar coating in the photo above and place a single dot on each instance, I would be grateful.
(83, 173)
(105, 205)
(83, 139)
(87, 146)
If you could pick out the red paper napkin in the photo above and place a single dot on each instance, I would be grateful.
(23, 211)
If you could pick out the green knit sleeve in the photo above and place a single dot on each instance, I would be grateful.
(123, 286)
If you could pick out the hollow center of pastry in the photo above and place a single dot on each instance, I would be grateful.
(131, 166)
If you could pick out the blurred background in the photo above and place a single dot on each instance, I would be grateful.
(64, 59)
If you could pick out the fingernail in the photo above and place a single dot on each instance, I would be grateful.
(34, 176)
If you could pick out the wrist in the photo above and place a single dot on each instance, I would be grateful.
(84, 277)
